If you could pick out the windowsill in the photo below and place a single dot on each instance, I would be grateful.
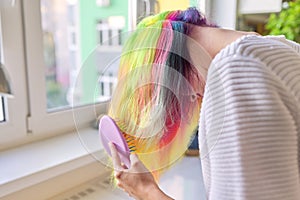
(31, 164)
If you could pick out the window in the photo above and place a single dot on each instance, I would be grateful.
(66, 65)
(62, 57)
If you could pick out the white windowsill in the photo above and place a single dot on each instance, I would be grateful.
(31, 164)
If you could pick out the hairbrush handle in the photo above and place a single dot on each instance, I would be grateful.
(110, 132)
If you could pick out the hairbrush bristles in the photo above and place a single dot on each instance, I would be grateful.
(130, 140)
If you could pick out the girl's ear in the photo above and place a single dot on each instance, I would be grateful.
(196, 96)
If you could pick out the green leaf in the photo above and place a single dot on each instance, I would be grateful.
(287, 22)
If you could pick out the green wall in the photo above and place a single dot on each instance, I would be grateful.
(194, 3)
(90, 13)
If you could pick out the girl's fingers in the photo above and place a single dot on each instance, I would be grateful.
(118, 174)
(124, 166)
(115, 157)
(134, 158)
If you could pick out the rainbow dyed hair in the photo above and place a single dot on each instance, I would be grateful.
(159, 91)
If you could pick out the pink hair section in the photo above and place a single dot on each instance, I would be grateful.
(173, 15)
(164, 45)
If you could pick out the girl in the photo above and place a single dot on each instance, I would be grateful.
(248, 87)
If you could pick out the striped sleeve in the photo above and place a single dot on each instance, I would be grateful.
(248, 137)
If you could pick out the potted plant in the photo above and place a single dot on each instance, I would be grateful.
(287, 22)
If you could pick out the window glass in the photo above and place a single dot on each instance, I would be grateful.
(73, 33)
(59, 49)
(2, 119)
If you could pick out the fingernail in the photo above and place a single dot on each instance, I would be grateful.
(110, 144)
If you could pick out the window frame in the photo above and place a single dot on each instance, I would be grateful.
(40, 121)
(26, 116)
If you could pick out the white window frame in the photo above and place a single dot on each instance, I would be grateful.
(14, 128)
(40, 121)
(26, 113)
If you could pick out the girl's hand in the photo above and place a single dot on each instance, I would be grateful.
(137, 181)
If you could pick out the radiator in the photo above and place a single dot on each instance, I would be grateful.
(97, 189)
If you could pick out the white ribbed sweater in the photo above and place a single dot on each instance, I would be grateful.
(250, 121)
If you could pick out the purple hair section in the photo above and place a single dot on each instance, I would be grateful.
(191, 16)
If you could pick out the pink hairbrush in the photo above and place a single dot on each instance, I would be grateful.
(110, 132)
